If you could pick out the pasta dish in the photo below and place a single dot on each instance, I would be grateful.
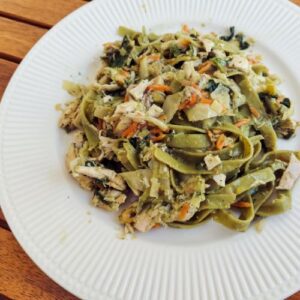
(181, 128)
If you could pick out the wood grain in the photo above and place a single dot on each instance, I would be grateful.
(7, 69)
(20, 278)
(40, 12)
(17, 38)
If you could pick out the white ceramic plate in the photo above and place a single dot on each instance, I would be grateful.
(76, 244)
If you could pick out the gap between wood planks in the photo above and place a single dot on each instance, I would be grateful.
(41, 13)
(23, 23)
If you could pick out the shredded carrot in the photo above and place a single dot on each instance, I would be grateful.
(157, 225)
(220, 142)
(158, 137)
(188, 102)
(184, 211)
(206, 67)
(184, 42)
(159, 87)
(126, 99)
(185, 28)
(162, 117)
(206, 101)
(242, 122)
(155, 130)
(130, 131)
(252, 60)
(242, 204)
(157, 134)
(254, 111)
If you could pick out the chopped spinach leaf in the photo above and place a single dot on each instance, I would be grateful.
(242, 43)
(230, 36)
(126, 44)
(115, 59)
(286, 102)
(211, 86)
(264, 97)
(134, 141)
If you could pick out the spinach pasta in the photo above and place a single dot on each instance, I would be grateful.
(181, 128)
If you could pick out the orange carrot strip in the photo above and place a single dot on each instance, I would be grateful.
(126, 99)
(155, 130)
(183, 211)
(206, 101)
(159, 87)
(158, 137)
(206, 67)
(157, 134)
(220, 142)
(188, 102)
(193, 100)
(242, 204)
(162, 117)
(185, 28)
(242, 122)
(254, 111)
(184, 42)
(130, 131)
(157, 225)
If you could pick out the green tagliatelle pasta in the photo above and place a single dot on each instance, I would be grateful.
(181, 128)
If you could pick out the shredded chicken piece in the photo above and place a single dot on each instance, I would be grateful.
(290, 175)
(115, 180)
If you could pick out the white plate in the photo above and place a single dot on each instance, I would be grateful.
(76, 244)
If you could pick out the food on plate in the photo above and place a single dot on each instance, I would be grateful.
(181, 128)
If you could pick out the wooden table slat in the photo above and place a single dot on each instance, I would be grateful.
(20, 278)
(17, 38)
(7, 69)
(40, 12)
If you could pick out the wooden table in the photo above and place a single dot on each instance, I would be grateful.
(22, 23)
